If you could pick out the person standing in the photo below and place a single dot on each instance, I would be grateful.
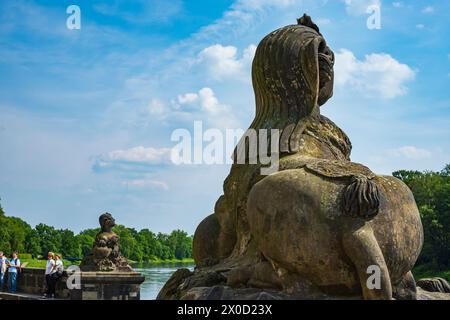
(4, 267)
(13, 269)
(49, 271)
(59, 270)
(59, 266)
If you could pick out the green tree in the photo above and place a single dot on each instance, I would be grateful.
(180, 244)
(70, 247)
(13, 233)
(32, 243)
(5, 245)
(129, 246)
(49, 239)
(148, 243)
(19, 230)
(85, 242)
(432, 194)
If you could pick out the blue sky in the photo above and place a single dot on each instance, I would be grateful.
(86, 115)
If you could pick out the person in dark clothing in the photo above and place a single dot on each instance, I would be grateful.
(50, 269)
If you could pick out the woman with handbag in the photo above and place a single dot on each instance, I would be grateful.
(59, 269)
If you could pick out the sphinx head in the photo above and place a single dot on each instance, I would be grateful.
(292, 73)
(292, 76)
(107, 222)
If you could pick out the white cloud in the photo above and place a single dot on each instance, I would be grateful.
(397, 4)
(205, 99)
(187, 107)
(188, 98)
(156, 106)
(137, 155)
(411, 152)
(209, 102)
(145, 183)
(428, 9)
(223, 62)
(359, 7)
(420, 26)
(378, 74)
(206, 106)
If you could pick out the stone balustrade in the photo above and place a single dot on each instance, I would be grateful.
(93, 285)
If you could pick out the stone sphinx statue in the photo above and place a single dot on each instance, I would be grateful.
(106, 254)
(321, 226)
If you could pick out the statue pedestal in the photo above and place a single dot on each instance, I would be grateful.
(108, 286)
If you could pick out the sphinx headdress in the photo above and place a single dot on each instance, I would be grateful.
(292, 76)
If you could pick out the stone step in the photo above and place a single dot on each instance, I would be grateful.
(21, 296)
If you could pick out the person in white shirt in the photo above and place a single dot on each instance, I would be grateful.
(59, 270)
(59, 266)
(4, 267)
(50, 269)
(14, 267)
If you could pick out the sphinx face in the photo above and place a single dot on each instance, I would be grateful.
(107, 223)
(326, 73)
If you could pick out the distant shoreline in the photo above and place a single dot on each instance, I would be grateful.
(165, 261)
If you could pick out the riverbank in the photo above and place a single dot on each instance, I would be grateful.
(164, 261)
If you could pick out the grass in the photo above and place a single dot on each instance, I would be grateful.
(35, 263)
(425, 271)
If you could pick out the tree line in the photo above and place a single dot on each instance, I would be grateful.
(140, 246)
(432, 194)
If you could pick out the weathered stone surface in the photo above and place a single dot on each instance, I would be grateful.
(426, 295)
(228, 293)
(434, 285)
(170, 288)
(108, 286)
(311, 230)
(106, 254)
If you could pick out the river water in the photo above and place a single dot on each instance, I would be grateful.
(156, 276)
